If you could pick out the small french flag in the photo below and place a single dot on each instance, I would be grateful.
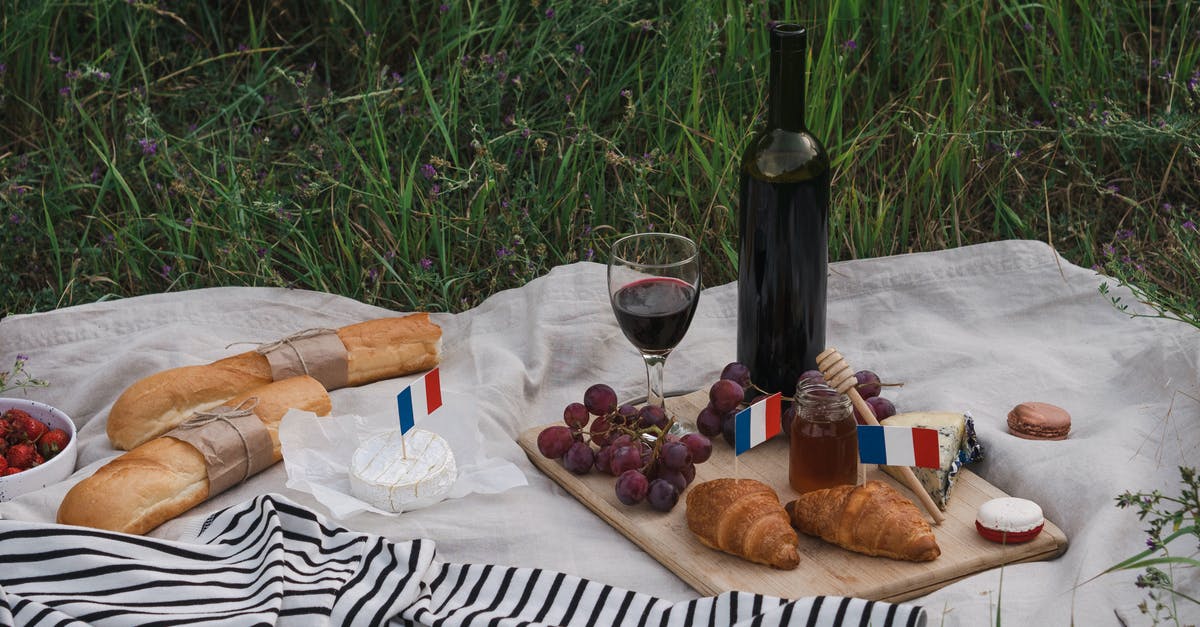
(756, 424)
(898, 446)
(419, 399)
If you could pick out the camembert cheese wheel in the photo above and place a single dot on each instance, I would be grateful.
(382, 475)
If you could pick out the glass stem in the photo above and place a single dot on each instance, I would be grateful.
(654, 379)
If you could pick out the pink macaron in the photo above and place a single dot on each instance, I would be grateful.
(1009, 520)
(1039, 421)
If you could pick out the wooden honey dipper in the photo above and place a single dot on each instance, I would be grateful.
(841, 378)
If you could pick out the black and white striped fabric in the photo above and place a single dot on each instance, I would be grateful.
(271, 562)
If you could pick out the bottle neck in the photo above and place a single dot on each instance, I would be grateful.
(785, 100)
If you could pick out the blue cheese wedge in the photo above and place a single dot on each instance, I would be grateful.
(957, 443)
(382, 474)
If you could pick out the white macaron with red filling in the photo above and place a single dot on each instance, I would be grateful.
(1009, 520)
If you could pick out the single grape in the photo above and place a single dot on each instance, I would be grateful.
(625, 458)
(632, 487)
(600, 399)
(662, 495)
(676, 455)
(623, 439)
(725, 395)
(868, 383)
(882, 407)
(604, 460)
(579, 458)
(689, 473)
(699, 446)
(601, 431)
(708, 421)
(675, 477)
(652, 416)
(737, 372)
(554, 441)
(785, 420)
(626, 414)
(728, 429)
(813, 375)
(576, 416)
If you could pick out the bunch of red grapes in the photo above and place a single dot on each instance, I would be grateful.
(630, 443)
(735, 390)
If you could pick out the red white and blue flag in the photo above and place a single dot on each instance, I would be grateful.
(756, 424)
(419, 399)
(899, 446)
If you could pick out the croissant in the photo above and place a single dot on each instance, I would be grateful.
(872, 518)
(745, 518)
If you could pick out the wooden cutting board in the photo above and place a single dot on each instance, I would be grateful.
(824, 568)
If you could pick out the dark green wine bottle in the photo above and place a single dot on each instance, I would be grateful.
(783, 230)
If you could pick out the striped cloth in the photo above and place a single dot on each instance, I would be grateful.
(271, 562)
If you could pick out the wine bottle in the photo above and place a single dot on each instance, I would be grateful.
(783, 253)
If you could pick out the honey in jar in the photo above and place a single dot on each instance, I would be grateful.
(824, 439)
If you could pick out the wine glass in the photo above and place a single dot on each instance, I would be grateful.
(654, 285)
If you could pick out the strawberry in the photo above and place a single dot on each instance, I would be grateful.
(3, 465)
(52, 442)
(28, 427)
(11, 470)
(22, 456)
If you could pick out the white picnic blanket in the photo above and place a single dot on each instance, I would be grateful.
(979, 328)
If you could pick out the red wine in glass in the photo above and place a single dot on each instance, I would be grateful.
(655, 313)
(654, 285)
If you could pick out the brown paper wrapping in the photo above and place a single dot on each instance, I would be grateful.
(318, 353)
(235, 443)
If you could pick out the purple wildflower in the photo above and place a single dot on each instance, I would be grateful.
(71, 75)
(445, 7)
(525, 132)
(502, 252)
(165, 271)
(22, 357)
(1109, 250)
(1125, 234)
(428, 171)
(435, 190)
(426, 263)
(188, 221)
(55, 59)
(850, 45)
(550, 13)
(149, 146)
(261, 252)
(1114, 188)
(1188, 225)
(64, 91)
(1027, 27)
(579, 49)
(372, 274)
(588, 254)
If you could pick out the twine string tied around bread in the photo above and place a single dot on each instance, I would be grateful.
(267, 347)
(225, 414)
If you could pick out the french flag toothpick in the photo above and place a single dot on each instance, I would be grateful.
(899, 446)
(419, 399)
(756, 424)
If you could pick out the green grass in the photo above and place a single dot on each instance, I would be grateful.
(421, 158)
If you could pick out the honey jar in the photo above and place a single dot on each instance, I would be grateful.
(824, 439)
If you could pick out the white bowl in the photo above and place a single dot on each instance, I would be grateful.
(56, 468)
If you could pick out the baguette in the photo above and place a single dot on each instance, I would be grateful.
(165, 477)
(376, 349)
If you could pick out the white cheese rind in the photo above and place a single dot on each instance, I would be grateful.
(957, 445)
(383, 476)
